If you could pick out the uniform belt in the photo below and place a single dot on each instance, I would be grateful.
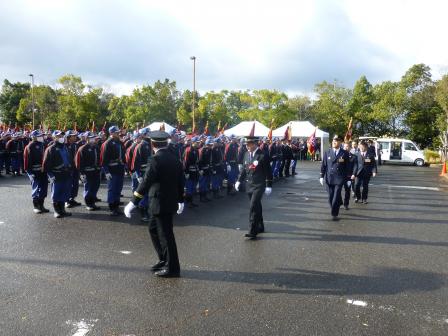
(113, 164)
(192, 169)
(12, 152)
(143, 166)
(217, 164)
(205, 167)
(87, 169)
(58, 167)
(232, 161)
(35, 169)
(36, 166)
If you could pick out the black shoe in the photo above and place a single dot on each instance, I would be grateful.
(356, 200)
(159, 266)
(57, 210)
(144, 215)
(36, 207)
(68, 205)
(334, 218)
(364, 202)
(346, 207)
(97, 199)
(164, 273)
(92, 207)
(41, 206)
(251, 236)
(74, 202)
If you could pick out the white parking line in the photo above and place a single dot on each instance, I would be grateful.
(407, 187)
(125, 252)
(357, 303)
(81, 328)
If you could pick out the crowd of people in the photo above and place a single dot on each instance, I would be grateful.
(69, 158)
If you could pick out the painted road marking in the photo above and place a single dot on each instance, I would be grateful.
(81, 328)
(125, 252)
(357, 303)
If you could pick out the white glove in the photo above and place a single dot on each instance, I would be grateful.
(201, 172)
(83, 178)
(374, 174)
(140, 179)
(321, 180)
(108, 176)
(229, 169)
(51, 179)
(240, 167)
(180, 208)
(349, 183)
(237, 186)
(187, 176)
(128, 209)
(32, 177)
(268, 191)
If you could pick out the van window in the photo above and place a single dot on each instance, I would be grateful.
(409, 146)
(383, 145)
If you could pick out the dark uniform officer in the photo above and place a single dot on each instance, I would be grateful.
(217, 168)
(205, 170)
(32, 161)
(142, 153)
(12, 149)
(287, 157)
(191, 159)
(3, 153)
(334, 170)
(87, 162)
(257, 174)
(58, 165)
(231, 159)
(72, 148)
(164, 180)
(351, 171)
(365, 170)
(112, 162)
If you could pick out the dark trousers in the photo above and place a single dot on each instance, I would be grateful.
(162, 236)
(256, 211)
(75, 184)
(334, 197)
(347, 192)
(282, 167)
(91, 187)
(287, 166)
(362, 181)
(39, 186)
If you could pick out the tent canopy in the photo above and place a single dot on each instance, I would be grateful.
(155, 126)
(300, 129)
(244, 128)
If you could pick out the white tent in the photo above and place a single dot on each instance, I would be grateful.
(155, 126)
(303, 129)
(244, 128)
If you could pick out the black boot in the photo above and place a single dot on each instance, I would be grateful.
(144, 215)
(90, 204)
(114, 209)
(36, 207)
(57, 210)
(203, 198)
(216, 194)
(41, 206)
(64, 213)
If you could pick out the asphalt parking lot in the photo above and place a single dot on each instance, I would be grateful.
(380, 270)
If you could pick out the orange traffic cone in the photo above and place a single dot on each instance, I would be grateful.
(443, 169)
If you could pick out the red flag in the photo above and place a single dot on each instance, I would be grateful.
(348, 134)
(75, 126)
(104, 126)
(270, 130)
(218, 129)
(312, 142)
(223, 128)
(93, 129)
(288, 133)
(206, 132)
(252, 131)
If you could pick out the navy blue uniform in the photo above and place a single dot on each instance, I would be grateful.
(32, 161)
(72, 149)
(351, 170)
(334, 170)
(12, 148)
(365, 169)
(231, 158)
(140, 157)
(205, 169)
(87, 162)
(112, 162)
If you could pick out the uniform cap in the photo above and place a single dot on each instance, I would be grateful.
(35, 134)
(337, 137)
(58, 133)
(159, 136)
(114, 129)
(143, 131)
(209, 142)
(71, 132)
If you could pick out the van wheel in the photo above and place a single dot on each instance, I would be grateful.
(419, 162)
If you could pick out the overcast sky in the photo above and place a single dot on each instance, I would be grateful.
(281, 44)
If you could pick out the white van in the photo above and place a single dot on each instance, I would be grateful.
(400, 150)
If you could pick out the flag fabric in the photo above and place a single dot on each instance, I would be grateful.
(223, 128)
(288, 133)
(348, 134)
(252, 131)
(270, 130)
(104, 127)
(206, 132)
(312, 142)
(162, 127)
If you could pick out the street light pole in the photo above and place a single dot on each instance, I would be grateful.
(193, 58)
(32, 95)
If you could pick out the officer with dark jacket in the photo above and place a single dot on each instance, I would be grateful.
(58, 166)
(12, 149)
(217, 168)
(231, 159)
(112, 162)
(190, 163)
(205, 170)
(3, 152)
(72, 148)
(87, 161)
(334, 168)
(287, 157)
(365, 170)
(257, 175)
(164, 181)
(32, 162)
(142, 153)
(351, 171)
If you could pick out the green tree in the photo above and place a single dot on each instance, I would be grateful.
(10, 97)
(360, 107)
